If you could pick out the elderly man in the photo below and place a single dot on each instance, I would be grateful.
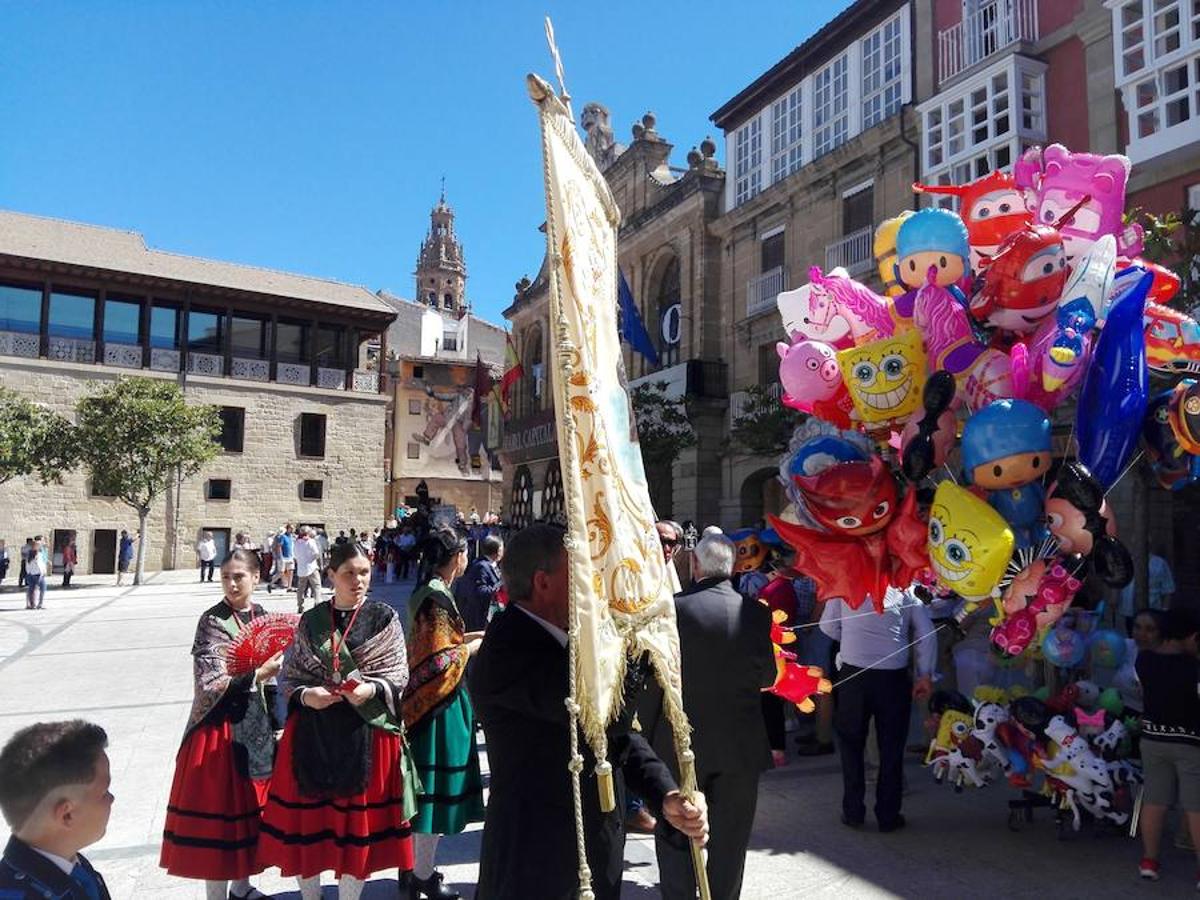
(307, 555)
(476, 590)
(519, 686)
(727, 659)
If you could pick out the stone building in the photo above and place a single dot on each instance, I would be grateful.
(433, 344)
(820, 148)
(283, 355)
(672, 263)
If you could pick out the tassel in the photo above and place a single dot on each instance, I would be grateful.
(604, 783)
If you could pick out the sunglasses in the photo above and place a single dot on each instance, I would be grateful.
(669, 542)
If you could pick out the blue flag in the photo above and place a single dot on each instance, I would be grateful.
(630, 324)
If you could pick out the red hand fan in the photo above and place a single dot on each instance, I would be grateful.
(260, 640)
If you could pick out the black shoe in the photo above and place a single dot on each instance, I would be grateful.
(895, 824)
(851, 823)
(433, 887)
(812, 748)
(270, 587)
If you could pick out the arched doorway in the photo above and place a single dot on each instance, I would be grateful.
(761, 494)
(669, 317)
(520, 513)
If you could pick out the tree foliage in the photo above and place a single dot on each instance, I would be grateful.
(136, 436)
(33, 440)
(764, 426)
(1173, 241)
(664, 429)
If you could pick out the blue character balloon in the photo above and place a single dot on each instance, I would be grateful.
(1006, 451)
(1112, 404)
(933, 237)
(1174, 468)
(1064, 647)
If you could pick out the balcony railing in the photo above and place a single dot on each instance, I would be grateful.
(855, 252)
(162, 359)
(990, 29)
(739, 400)
(762, 291)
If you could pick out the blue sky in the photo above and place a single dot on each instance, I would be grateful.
(312, 137)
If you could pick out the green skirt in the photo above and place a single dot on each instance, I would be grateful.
(444, 752)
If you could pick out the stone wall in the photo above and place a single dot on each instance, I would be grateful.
(265, 477)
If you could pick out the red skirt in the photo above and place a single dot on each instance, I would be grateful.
(213, 815)
(355, 835)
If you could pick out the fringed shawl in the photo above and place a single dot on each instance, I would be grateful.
(374, 648)
(438, 652)
(214, 633)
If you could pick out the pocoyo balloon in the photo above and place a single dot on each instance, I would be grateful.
(992, 208)
(932, 238)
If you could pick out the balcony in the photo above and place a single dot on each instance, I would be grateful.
(739, 400)
(855, 252)
(20, 343)
(762, 291)
(991, 29)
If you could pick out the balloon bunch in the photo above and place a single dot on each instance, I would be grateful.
(993, 317)
(1077, 742)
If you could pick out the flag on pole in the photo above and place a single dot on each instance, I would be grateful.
(513, 371)
(621, 589)
(483, 387)
(632, 328)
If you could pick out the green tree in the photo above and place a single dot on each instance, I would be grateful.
(135, 436)
(664, 432)
(33, 440)
(765, 425)
(1173, 241)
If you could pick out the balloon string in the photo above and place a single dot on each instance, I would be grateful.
(1133, 462)
(878, 662)
(857, 615)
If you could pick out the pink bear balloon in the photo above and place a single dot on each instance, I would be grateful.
(1055, 179)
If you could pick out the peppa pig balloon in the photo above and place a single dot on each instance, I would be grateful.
(812, 382)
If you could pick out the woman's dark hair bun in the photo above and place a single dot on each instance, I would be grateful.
(339, 554)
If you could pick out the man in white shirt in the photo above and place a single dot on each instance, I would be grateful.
(873, 682)
(308, 568)
(206, 549)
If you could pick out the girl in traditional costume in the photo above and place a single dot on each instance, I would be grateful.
(438, 714)
(343, 791)
(224, 765)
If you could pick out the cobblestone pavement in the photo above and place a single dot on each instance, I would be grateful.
(119, 656)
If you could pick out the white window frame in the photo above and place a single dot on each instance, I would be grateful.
(831, 106)
(787, 133)
(1013, 118)
(786, 152)
(878, 41)
(1142, 64)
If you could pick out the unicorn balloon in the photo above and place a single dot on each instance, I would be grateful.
(835, 309)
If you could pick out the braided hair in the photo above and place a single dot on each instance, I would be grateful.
(442, 545)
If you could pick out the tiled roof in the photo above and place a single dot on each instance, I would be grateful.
(73, 243)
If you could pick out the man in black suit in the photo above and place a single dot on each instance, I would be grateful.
(727, 659)
(519, 687)
(54, 780)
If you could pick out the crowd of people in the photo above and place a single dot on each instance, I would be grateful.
(376, 753)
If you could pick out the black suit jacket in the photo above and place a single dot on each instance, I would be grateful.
(727, 659)
(518, 685)
(27, 874)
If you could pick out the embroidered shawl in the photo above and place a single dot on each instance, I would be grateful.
(214, 633)
(374, 649)
(438, 652)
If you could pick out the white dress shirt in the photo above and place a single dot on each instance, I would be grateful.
(555, 632)
(878, 640)
(307, 555)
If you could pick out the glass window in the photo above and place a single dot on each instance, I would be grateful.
(20, 309)
(831, 119)
(248, 337)
(291, 342)
(122, 321)
(747, 161)
(311, 489)
(312, 434)
(786, 131)
(219, 489)
(881, 73)
(329, 346)
(164, 327)
(204, 331)
(72, 316)
(233, 428)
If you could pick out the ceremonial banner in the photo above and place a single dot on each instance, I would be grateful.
(621, 587)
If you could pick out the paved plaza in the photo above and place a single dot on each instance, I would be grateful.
(119, 656)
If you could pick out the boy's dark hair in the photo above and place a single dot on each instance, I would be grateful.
(42, 758)
(1180, 624)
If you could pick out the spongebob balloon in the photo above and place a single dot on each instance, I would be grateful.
(885, 378)
(970, 544)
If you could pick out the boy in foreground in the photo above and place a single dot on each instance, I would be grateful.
(54, 780)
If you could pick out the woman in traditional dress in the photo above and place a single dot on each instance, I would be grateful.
(438, 714)
(343, 791)
(224, 766)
